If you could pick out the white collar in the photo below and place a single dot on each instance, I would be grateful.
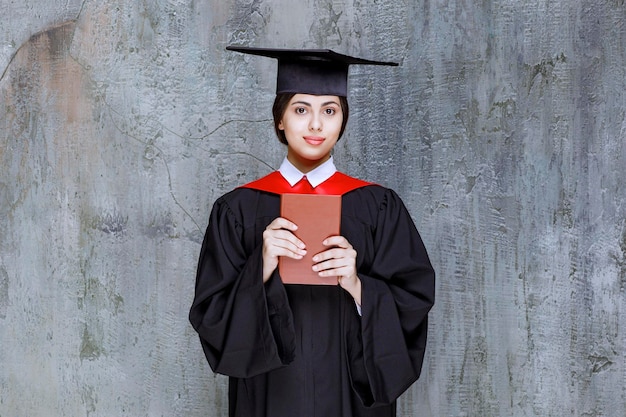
(315, 177)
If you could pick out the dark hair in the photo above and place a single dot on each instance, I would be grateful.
(280, 106)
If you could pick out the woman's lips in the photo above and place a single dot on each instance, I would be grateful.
(314, 140)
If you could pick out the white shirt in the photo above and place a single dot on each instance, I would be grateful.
(315, 177)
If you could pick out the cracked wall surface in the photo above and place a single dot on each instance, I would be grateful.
(503, 130)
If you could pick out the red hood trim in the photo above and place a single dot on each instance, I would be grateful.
(337, 184)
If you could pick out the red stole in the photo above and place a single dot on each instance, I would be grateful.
(337, 184)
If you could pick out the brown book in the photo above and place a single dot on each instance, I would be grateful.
(317, 217)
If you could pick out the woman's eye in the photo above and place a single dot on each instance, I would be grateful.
(300, 110)
(330, 111)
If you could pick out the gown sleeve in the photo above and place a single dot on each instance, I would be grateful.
(398, 291)
(245, 327)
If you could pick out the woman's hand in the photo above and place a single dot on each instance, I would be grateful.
(279, 240)
(339, 261)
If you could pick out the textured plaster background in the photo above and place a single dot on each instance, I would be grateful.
(503, 130)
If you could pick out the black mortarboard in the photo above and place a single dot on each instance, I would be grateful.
(310, 71)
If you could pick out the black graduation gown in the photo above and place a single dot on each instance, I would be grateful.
(297, 350)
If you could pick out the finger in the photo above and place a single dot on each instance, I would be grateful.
(274, 252)
(282, 223)
(276, 235)
(335, 253)
(286, 235)
(337, 272)
(277, 245)
(289, 252)
(341, 266)
(338, 241)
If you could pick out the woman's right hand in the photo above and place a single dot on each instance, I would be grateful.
(279, 240)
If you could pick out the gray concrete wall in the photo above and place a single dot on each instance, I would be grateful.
(503, 130)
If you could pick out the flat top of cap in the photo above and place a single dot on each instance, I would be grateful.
(307, 54)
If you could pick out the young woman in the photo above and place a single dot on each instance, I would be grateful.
(313, 350)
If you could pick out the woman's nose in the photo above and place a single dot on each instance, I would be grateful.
(315, 124)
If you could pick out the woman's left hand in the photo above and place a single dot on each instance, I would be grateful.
(340, 261)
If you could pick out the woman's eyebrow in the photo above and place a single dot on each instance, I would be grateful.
(304, 103)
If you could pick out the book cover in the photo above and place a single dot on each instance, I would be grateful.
(317, 217)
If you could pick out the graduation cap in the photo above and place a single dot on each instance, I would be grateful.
(310, 71)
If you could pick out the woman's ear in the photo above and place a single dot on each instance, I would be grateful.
(280, 125)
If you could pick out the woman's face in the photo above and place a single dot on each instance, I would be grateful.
(311, 125)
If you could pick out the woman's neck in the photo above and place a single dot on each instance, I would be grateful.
(305, 165)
